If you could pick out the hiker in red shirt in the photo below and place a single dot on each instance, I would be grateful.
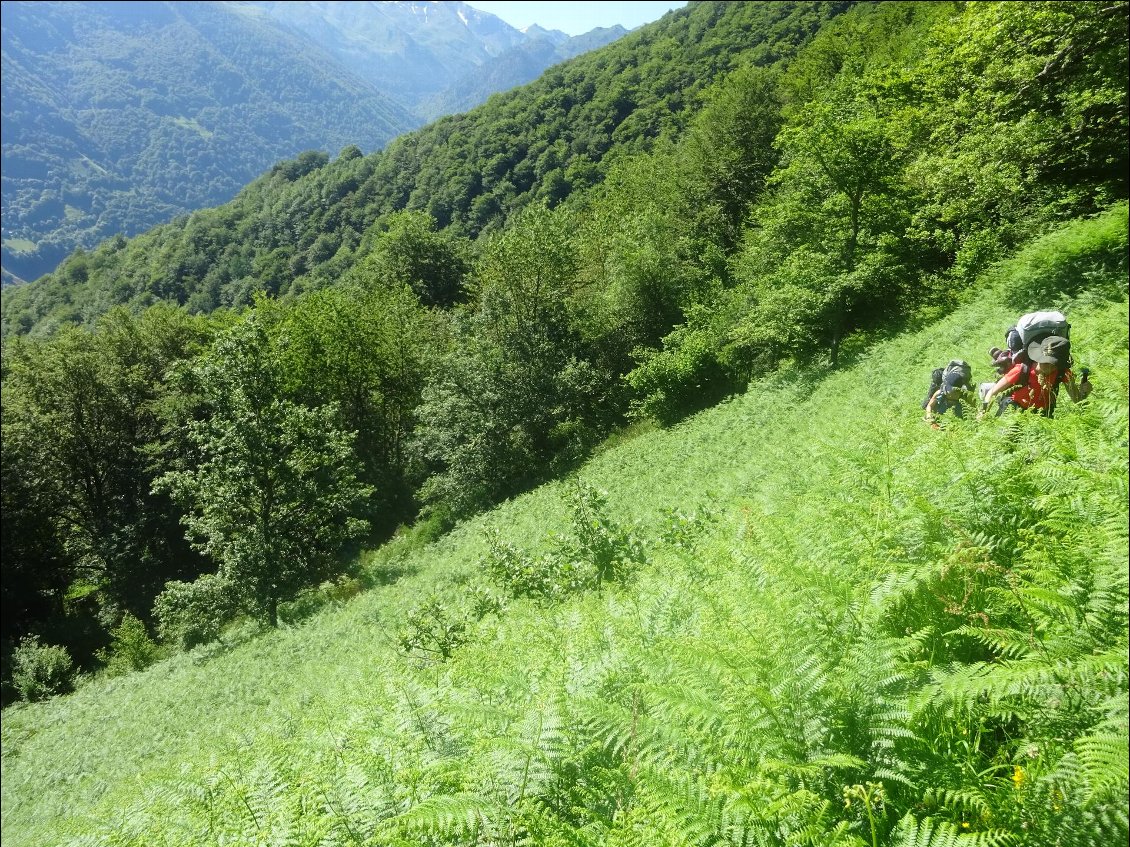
(1035, 386)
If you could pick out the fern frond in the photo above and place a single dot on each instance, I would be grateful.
(911, 832)
(964, 801)
(1034, 678)
(1106, 763)
(1104, 754)
(448, 816)
(1006, 643)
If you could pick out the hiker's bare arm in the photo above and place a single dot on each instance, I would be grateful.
(930, 405)
(1000, 385)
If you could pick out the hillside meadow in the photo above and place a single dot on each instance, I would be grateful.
(818, 622)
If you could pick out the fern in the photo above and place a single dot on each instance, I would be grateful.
(1104, 754)
(451, 816)
(912, 832)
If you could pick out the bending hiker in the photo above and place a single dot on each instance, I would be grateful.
(1034, 326)
(950, 388)
(1035, 386)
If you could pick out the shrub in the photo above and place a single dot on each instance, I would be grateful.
(607, 551)
(191, 613)
(548, 577)
(433, 631)
(598, 551)
(40, 670)
(131, 648)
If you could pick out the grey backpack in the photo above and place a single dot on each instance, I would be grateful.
(1036, 326)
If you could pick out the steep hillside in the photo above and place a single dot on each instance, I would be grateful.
(823, 623)
(414, 336)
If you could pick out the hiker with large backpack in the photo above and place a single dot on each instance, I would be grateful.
(1034, 326)
(1033, 382)
(950, 388)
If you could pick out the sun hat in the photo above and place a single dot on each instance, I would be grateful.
(1052, 350)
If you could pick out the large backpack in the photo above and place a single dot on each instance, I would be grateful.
(1035, 326)
(938, 376)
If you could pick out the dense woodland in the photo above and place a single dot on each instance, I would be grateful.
(208, 418)
(557, 475)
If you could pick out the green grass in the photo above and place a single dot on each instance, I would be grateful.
(850, 629)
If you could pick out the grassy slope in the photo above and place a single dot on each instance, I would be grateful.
(806, 500)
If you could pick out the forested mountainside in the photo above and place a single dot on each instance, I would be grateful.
(410, 337)
(305, 222)
(121, 116)
(557, 475)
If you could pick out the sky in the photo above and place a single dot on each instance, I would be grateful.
(576, 17)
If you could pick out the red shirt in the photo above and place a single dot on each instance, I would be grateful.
(1030, 393)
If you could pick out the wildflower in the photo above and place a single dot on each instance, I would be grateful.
(1018, 776)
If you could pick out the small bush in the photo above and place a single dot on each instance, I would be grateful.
(549, 577)
(681, 529)
(598, 551)
(433, 631)
(192, 613)
(131, 648)
(40, 670)
(608, 551)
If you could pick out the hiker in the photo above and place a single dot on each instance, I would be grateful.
(1034, 326)
(1035, 386)
(950, 388)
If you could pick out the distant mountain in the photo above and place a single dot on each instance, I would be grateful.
(517, 66)
(411, 50)
(433, 58)
(120, 116)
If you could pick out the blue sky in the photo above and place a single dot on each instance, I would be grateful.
(576, 17)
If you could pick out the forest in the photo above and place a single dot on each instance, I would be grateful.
(303, 402)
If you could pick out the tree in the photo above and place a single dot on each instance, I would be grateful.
(411, 252)
(81, 433)
(729, 150)
(273, 492)
(516, 397)
(838, 195)
(366, 349)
